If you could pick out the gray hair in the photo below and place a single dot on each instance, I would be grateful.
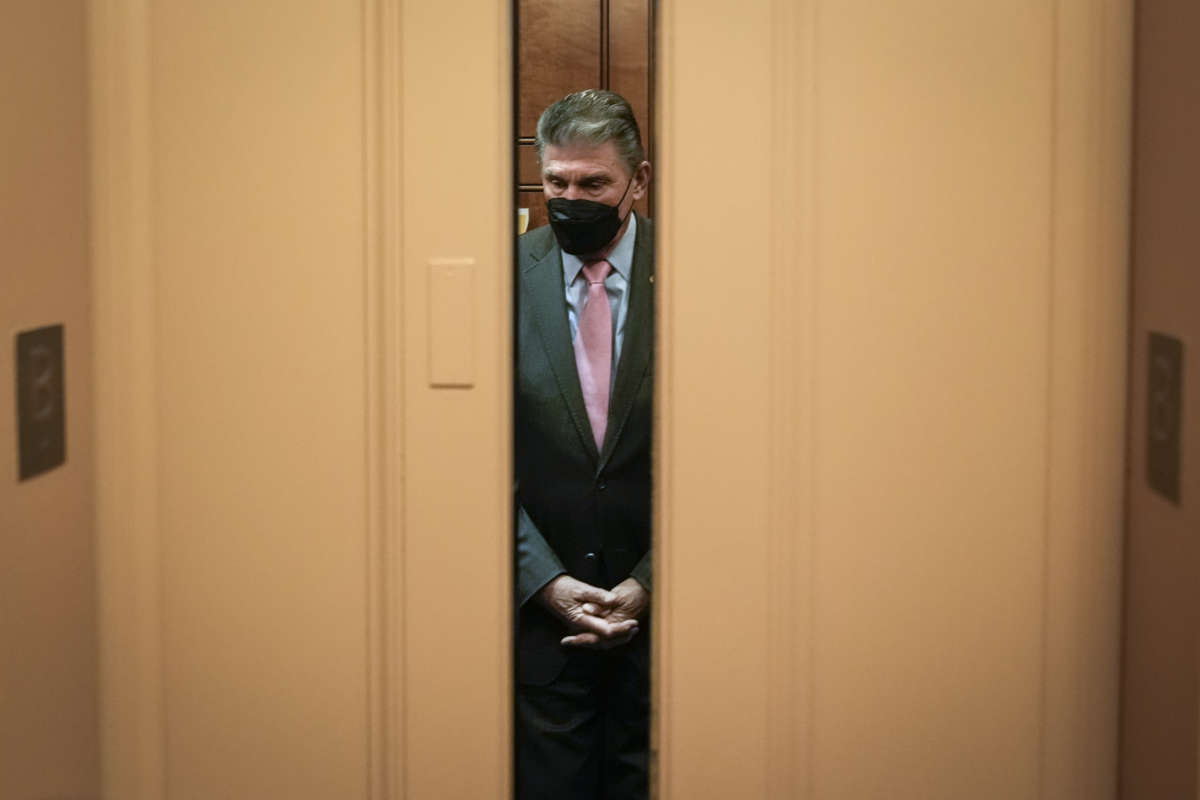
(596, 116)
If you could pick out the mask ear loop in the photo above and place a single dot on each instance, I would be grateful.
(622, 200)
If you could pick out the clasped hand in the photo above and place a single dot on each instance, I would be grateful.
(598, 618)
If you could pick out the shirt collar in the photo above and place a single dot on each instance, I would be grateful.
(621, 256)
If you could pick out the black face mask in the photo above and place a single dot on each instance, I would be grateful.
(583, 227)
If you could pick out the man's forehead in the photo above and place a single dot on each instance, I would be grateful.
(582, 154)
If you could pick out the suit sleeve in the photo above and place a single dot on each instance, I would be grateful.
(537, 563)
(643, 572)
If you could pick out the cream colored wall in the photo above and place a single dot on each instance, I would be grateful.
(892, 368)
(891, 379)
(1162, 578)
(48, 684)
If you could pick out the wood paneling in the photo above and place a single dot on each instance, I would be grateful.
(629, 59)
(528, 171)
(535, 201)
(559, 50)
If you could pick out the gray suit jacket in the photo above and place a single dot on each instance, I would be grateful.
(582, 511)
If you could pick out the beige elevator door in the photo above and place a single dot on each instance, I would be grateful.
(891, 397)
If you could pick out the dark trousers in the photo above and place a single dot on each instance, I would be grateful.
(586, 735)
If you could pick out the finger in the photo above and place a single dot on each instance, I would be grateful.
(593, 642)
(624, 628)
(626, 639)
(602, 627)
(592, 624)
(594, 594)
(581, 640)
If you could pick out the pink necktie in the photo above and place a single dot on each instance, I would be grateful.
(593, 348)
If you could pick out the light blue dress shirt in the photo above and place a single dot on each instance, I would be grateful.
(616, 285)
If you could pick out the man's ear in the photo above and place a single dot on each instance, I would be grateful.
(641, 180)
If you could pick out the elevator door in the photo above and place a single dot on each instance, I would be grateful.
(891, 380)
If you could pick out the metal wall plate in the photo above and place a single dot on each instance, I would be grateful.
(1164, 396)
(41, 401)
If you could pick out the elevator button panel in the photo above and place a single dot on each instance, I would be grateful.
(1163, 415)
(41, 418)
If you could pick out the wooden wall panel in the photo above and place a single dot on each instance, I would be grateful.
(528, 170)
(559, 51)
(535, 201)
(629, 56)
(630, 71)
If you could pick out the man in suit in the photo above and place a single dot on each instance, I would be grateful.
(584, 408)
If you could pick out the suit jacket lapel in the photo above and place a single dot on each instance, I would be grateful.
(544, 282)
(639, 339)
